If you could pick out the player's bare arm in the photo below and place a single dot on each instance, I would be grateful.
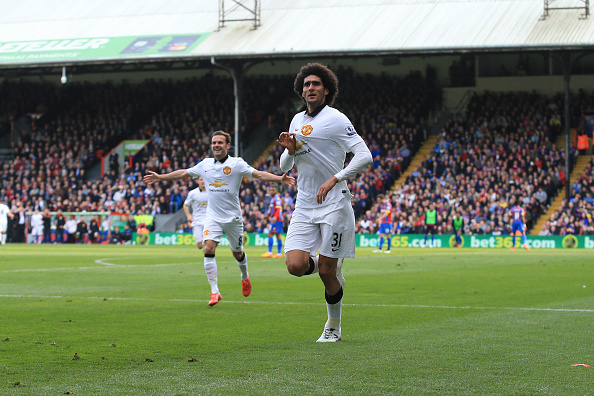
(189, 216)
(265, 176)
(288, 141)
(154, 177)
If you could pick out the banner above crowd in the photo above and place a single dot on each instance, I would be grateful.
(98, 48)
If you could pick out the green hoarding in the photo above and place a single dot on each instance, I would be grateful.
(398, 241)
(98, 48)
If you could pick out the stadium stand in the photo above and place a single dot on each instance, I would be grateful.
(500, 150)
(574, 215)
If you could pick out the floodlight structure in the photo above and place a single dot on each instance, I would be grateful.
(579, 5)
(240, 10)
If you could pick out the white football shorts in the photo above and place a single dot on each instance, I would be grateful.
(330, 229)
(37, 230)
(3, 226)
(213, 231)
(197, 230)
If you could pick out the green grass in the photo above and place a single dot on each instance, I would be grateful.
(416, 322)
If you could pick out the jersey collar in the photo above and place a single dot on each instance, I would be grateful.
(316, 111)
(222, 160)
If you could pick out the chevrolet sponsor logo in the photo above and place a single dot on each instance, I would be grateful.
(218, 184)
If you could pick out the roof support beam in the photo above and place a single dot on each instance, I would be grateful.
(252, 12)
(585, 7)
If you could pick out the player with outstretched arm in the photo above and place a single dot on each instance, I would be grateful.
(222, 177)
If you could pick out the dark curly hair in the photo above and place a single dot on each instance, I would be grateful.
(327, 76)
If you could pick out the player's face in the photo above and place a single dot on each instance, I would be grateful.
(201, 183)
(314, 92)
(219, 146)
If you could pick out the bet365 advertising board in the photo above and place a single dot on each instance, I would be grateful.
(398, 241)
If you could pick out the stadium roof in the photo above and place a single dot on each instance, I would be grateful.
(70, 31)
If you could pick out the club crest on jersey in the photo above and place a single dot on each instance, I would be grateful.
(307, 130)
(218, 183)
(226, 170)
(206, 232)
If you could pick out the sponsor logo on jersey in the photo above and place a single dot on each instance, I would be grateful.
(350, 130)
(307, 130)
(226, 170)
(298, 145)
(303, 152)
(218, 184)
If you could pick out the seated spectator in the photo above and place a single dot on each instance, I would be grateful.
(82, 231)
(127, 234)
(94, 231)
(116, 237)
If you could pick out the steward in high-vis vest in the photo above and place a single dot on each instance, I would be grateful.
(583, 143)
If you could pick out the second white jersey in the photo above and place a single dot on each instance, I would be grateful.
(36, 220)
(3, 217)
(197, 201)
(322, 143)
(4, 212)
(222, 182)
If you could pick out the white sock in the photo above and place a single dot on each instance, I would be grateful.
(334, 314)
(210, 266)
(2, 238)
(315, 261)
(243, 267)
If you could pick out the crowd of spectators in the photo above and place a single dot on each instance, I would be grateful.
(77, 124)
(574, 216)
(501, 151)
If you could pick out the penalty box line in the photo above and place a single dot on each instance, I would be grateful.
(305, 303)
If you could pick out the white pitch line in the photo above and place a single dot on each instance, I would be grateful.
(106, 266)
(104, 262)
(303, 303)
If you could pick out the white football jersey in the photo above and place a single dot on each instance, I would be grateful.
(3, 217)
(322, 143)
(197, 201)
(222, 182)
(36, 220)
(4, 212)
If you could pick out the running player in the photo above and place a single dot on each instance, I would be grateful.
(195, 209)
(317, 142)
(222, 177)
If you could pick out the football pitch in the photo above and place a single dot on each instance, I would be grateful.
(134, 320)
